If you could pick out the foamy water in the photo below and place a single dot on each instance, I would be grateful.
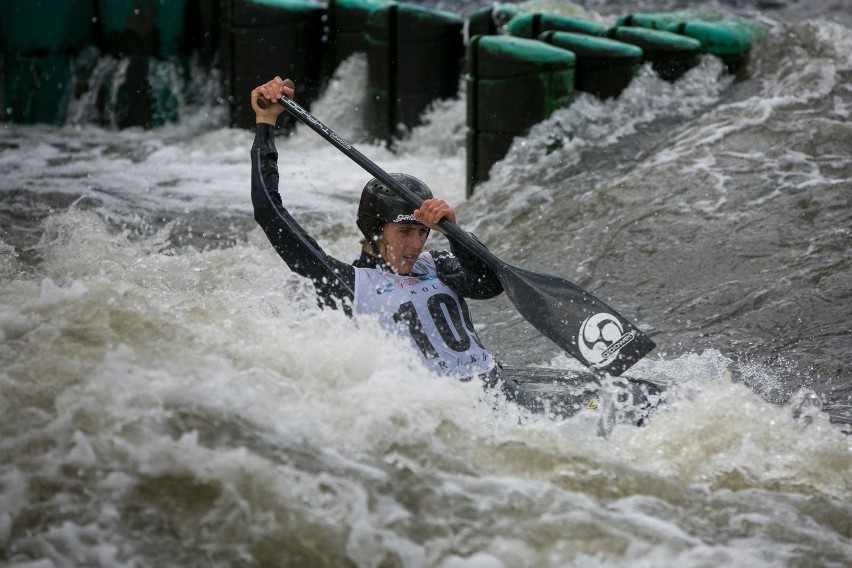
(195, 408)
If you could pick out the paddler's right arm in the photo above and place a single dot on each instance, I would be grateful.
(333, 279)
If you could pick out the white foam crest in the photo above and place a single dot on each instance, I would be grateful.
(160, 303)
(799, 81)
(341, 105)
(13, 499)
(212, 370)
(439, 144)
(756, 552)
(721, 123)
(590, 123)
(710, 431)
(721, 434)
(834, 39)
(441, 134)
(183, 352)
(131, 170)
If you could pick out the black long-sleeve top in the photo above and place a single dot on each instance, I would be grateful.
(334, 280)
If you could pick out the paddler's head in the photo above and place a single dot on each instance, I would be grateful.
(389, 225)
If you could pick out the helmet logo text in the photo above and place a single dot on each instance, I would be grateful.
(405, 219)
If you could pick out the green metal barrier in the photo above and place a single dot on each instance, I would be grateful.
(264, 38)
(604, 66)
(415, 57)
(141, 27)
(38, 41)
(37, 89)
(490, 20)
(496, 66)
(726, 37)
(533, 25)
(46, 27)
(347, 23)
(671, 55)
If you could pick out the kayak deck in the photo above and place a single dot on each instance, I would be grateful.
(561, 393)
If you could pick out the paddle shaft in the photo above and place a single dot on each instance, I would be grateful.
(453, 230)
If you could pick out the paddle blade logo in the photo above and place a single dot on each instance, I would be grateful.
(601, 338)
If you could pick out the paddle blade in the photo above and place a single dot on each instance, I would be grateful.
(581, 324)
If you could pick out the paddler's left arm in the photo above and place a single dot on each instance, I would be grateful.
(462, 271)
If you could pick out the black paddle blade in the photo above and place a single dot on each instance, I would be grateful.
(575, 320)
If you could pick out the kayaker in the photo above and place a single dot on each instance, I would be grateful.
(416, 294)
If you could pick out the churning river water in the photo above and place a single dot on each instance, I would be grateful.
(171, 395)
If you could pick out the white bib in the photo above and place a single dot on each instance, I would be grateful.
(427, 311)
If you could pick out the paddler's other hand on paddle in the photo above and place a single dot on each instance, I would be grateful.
(264, 99)
(431, 212)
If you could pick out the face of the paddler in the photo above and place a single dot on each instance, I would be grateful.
(401, 244)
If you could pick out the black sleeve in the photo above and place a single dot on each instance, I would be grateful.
(466, 274)
(332, 278)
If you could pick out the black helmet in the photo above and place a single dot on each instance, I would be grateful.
(380, 205)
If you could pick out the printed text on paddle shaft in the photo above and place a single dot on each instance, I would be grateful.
(315, 123)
